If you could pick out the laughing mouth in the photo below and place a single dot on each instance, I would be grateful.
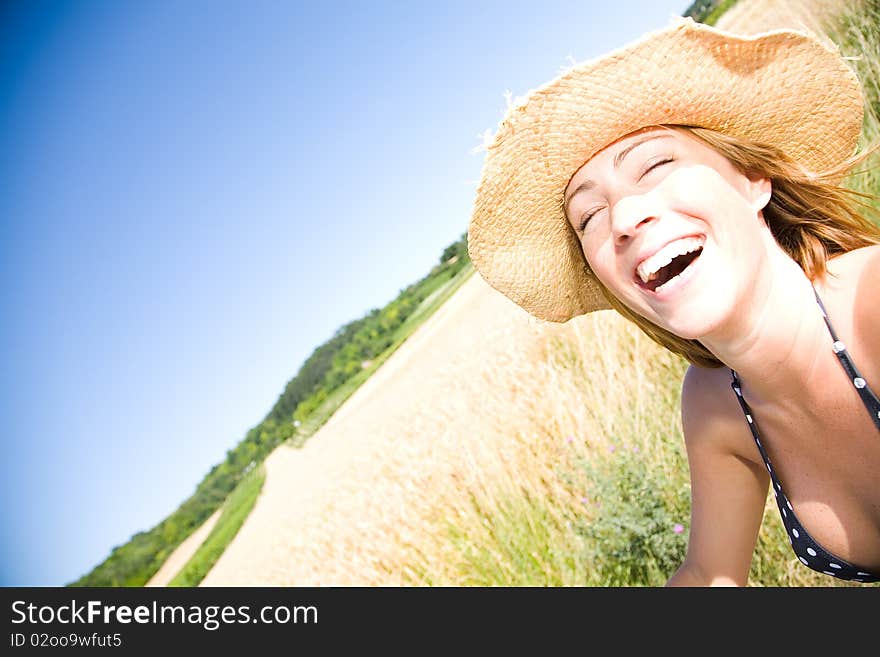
(668, 263)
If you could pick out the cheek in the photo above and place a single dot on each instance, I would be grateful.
(702, 192)
(600, 256)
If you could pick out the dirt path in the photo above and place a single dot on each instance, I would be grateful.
(182, 554)
(329, 512)
(762, 15)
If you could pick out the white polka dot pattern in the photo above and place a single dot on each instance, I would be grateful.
(807, 550)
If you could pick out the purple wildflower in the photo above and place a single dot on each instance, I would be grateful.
(678, 528)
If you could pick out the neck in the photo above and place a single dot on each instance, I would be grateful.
(777, 338)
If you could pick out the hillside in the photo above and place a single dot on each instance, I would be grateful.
(439, 415)
(325, 380)
(329, 513)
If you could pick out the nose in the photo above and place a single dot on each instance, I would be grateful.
(629, 215)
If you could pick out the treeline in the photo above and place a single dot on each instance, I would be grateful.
(708, 11)
(360, 341)
(329, 367)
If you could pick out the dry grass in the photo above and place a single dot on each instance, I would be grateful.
(581, 482)
(602, 386)
(509, 510)
(493, 450)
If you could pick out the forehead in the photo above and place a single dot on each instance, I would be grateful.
(621, 143)
(634, 136)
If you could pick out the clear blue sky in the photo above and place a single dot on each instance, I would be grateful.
(195, 195)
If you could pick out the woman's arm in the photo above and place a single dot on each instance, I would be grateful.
(728, 486)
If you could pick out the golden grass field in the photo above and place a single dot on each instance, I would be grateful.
(494, 449)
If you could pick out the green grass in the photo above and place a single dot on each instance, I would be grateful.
(242, 499)
(602, 496)
(716, 13)
(235, 510)
(524, 545)
(857, 32)
(628, 540)
(318, 417)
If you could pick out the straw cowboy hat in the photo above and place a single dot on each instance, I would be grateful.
(784, 88)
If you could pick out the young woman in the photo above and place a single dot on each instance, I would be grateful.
(691, 182)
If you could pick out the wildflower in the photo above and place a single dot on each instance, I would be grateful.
(678, 528)
(570, 439)
(584, 500)
(611, 448)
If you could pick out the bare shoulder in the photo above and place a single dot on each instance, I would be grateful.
(866, 311)
(853, 266)
(867, 274)
(857, 277)
(711, 416)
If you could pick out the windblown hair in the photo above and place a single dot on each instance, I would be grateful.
(811, 216)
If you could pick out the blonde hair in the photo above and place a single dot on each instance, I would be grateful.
(812, 217)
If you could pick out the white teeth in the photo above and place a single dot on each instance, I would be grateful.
(648, 268)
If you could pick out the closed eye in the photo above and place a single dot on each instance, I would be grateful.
(653, 164)
(585, 218)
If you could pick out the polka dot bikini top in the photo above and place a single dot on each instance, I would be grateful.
(807, 550)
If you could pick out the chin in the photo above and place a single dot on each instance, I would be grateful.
(699, 318)
(693, 318)
(689, 330)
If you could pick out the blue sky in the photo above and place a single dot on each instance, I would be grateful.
(195, 195)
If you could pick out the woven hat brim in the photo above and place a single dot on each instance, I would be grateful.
(783, 88)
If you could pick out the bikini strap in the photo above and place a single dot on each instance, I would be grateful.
(869, 399)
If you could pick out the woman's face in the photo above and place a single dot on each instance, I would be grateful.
(670, 227)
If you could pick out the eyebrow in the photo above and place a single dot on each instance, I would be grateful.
(589, 184)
